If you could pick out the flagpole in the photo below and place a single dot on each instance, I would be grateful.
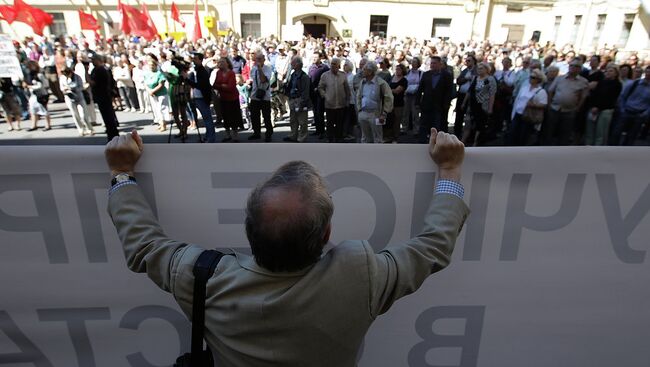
(164, 13)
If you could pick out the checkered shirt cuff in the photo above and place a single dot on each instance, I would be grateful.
(450, 187)
(117, 186)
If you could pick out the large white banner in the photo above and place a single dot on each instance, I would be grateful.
(551, 268)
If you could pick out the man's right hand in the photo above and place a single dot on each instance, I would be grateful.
(448, 153)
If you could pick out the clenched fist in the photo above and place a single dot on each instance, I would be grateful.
(123, 152)
(448, 153)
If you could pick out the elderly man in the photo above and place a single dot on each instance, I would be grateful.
(634, 103)
(289, 304)
(100, 82)
(374, 103)
(316, 71)
(334, 89)
(567, 94)
(261, 98)
(298, 90)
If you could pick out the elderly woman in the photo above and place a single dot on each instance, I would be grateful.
(398, 85)
(601, 106)
(72, 87)
(531, 96)
(38, 84)
(157, 89)
(478, 104)
(226, 84)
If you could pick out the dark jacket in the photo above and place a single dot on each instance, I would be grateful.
(202, 83)
(303, 88)
(438, 98)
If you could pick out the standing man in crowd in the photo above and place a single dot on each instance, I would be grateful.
(374, 103)
(298, 90)
(635, 110)
(567, 94)
(316, 71)
(238, 62)
(433, 96)
(199, 80)
(464, 80)
(333, 87)
(289, 304)
(261, 98)
(100, 82)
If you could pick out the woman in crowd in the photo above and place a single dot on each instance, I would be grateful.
(398, 85)
(226, 85)
(531, 97)
(123, 75)
(601, 108)
(72, 88)
(157, 89)
(37, 84)
(479, 102)
(82, 69)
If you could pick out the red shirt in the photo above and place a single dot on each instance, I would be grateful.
(226, 84)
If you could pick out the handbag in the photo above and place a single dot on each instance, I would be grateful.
(203, 269)
(533, 116)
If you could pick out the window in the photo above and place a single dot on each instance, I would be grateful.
(556, 28)
(57, 27)
(378, 25)
(441, 28)
(600, 24)
(514, 8)
(627, 27)
(576, 28)
(251, 25)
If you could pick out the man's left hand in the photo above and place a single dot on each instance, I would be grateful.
(123, 152)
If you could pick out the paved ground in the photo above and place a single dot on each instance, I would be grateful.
(64, 132)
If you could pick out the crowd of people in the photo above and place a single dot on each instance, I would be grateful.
(376, 90)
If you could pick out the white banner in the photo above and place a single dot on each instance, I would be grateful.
(551, 268)
(9, 63)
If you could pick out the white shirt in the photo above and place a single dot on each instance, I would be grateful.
(256, 79)
(538, 95)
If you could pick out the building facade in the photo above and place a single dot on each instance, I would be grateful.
(588, 24)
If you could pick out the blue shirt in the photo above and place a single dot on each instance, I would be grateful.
(435, 78)
(639, 100)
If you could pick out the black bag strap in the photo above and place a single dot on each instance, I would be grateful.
(203, 270)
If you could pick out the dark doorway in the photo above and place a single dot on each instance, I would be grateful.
(315, 30)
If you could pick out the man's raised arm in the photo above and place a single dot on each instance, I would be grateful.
(399, 270)
(146, 247)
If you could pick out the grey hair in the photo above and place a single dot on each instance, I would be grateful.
(293, 240)
(349, 64)
(298, 60)
(371, 66)
(335, 60)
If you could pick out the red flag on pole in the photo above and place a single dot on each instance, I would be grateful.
(124, 19)
(135, 22)
(8, 13)
(176, 14)
(88, 21)
(150, 22)
(197, 24)
(34, 17)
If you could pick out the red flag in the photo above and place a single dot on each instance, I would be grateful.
(197, 24)
(88, 21)
(135, 22)
(124, 19)
(176, 14)
(150, 22)
(8, 13)
(34, 17)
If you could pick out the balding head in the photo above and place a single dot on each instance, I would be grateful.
(288, 218)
